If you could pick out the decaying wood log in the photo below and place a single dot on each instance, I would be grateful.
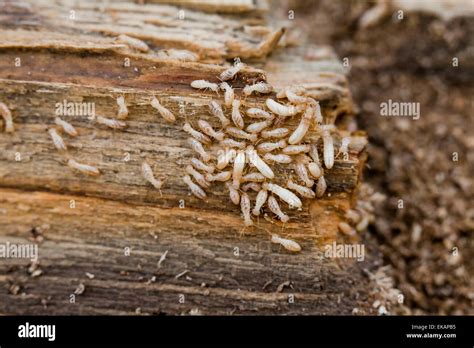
(47, 60)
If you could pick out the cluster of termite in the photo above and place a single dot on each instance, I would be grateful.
(252, 140)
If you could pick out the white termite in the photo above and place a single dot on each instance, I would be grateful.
(328, 146)
(224, 158)
(83, 168)
(260, 87)
(239, 165)
(147, 173)
(353, 216)
(314, 170)
(317, 114)
(198, 148)
(295, 149)
(174, 54)
(268, 147)
(203, 84)
(231, 72)
(344, 148)
(258, 126)
(111, 122)
(260, 164)
(321, 187)
(199, 165)
(280, 109)
(302, 173)
(279, 158)
(303, 191)
(253, 177)
(134, 43)
(259, 113)
(57, 139)
(198, 177)
(66, 126)
(293, 96)
(313, 153)
(303, 127)
(195, 189)
(275, 133)
(286, 195)
(196, 134)
(233, 193)
(288, 244)
(7, 118)
(233, 143)
(347, 229)
(239, 133)
(222, 176)
(228, 94)
(245, 207)
(236, 116)
(207, 128)
(274, 207)
(164, 112)
(251, 186)
(122, 112)
(216, 110)
(260, 201)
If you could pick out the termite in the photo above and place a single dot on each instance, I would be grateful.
(317, 114)
(66, 126)
(321, 187)
(260, 164)
(286, 195)
(280, 158)
(260, 87)
(236, 116)
(182, 55)
(259, 113)
(275, 133)
(303, 127)
(223, 159)
(233, 193)
(314, 170)
(303, 191)
(84, 168)
(239, 165)
(251, 186)
(300, 169)
(228, 94)
(345, 228)
(280, 109)
(164, 112)
(123, 110)
(363, 224)
(57, 140)
(199, 165)
(293, 96)
(222, 176)
(147, 173)
(258, 126)
(233, 143)
(197, 147)
(245, 207)
(216, 110)
(344, 148)
(203, 84)
(7, 117)
(328, 146)
(239, 133)
(200, 179)
(288, 244)
(282, 93)
(253, 177)
(134, 43)
(274, 207)
(268, 147)
(196, 134)
(260, 201)
(353, 216)
(110, 122)
(313, 153)
(207, 128)
(295, 149)
(195, 189)
(231, 72)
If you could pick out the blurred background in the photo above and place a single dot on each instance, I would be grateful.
(422, 52)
